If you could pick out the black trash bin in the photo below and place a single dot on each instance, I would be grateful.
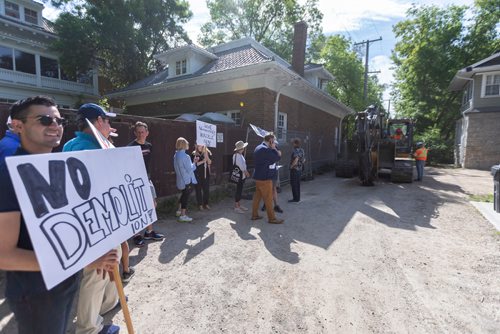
(495, 171)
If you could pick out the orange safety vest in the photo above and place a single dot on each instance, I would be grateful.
(421, 154)
(397, 137)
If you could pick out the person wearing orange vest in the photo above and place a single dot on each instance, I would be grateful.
(398, 135)
(420, 159)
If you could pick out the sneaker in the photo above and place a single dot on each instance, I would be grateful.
(110, 329)
(293, 201)
(243, 208)
(139, 241)
(178, 213)
(207, 207)
(200, 207)
(278, 209)
(126, 276)
(152, 235)
(184, 219)
(238, 210)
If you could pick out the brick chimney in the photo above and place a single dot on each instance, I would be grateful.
(299, 47)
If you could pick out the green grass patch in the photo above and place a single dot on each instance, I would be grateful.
(482, 198)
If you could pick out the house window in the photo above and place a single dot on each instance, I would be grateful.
(11, 9)
(49, 67)
(25, 62)
(6, 60)
(30, 16)
(235, 116)
(180, 67)
(282, 126)
(492, 85)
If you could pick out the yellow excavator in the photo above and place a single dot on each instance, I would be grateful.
(378, 145)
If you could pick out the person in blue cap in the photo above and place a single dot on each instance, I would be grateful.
(97, 296)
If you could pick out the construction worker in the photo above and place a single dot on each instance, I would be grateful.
(420, 159)
(398, 135)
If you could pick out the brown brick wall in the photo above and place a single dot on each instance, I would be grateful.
(259, 110)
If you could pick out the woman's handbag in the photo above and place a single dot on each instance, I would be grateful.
(236, 174)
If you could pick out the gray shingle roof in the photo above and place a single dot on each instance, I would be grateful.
(227, 60)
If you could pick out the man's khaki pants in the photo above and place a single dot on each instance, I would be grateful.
(97, 296)
(263, 190)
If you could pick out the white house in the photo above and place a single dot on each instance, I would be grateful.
(28, 66)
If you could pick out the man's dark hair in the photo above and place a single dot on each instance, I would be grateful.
(296, 142)
(19, 110)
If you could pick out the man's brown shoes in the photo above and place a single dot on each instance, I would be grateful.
(277, 221)
(256, 218)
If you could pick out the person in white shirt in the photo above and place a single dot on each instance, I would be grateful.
(239, 160)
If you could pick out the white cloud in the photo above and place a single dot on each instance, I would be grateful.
(349, 15)
(200, 16)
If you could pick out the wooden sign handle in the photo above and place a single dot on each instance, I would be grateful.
(123, 300)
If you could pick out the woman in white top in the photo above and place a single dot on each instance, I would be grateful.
(239, 160)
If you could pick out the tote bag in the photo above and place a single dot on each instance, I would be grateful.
(235, 175)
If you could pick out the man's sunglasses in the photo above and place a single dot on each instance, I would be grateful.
(46, 120)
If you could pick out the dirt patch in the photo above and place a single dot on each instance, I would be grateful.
(394, 258)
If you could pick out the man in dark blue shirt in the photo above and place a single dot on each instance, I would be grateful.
(265, 157)
(36, 309)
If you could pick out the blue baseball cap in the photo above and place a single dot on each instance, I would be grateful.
(92, 111)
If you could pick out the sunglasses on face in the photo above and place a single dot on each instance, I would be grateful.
(46, 120)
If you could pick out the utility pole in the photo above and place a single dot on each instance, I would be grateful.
(367, 42)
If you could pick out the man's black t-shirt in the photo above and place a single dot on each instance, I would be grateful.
(146, 153)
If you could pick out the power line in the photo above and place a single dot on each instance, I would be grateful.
(367, 42)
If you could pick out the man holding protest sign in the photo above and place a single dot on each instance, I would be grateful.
(37, 310)
(98, 295)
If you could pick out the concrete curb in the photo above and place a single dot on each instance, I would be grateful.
(487, 211)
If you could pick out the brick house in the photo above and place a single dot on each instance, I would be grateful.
(249, 83)
(477, 141)
(27, 65)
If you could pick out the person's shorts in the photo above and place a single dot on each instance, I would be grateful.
(153, 190)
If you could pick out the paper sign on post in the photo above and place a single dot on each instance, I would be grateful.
(79, 205)
(206, 134)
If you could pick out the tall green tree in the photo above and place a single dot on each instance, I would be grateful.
(269, 22)
(122, 36)
(433, 44)
(337, 55)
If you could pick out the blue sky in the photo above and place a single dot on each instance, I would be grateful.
(358, 19)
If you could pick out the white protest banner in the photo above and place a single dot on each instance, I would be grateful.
(206, 134)
(79, 205)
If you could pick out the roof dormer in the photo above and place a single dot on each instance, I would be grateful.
(185, 60)
(26, 11)
(317, 75)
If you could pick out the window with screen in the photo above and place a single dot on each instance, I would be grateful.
(30, 16)
(6, 60)
(49, 67)
(12, 9)
(25, 62)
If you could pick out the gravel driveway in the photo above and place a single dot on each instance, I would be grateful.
(394, 258)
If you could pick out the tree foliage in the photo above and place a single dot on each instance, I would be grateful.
(269, 22)
(123, 36)
(338, 57)
(433, 44)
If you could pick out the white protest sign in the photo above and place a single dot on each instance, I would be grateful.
(79, 205)
(103, 141)
(206, 134)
